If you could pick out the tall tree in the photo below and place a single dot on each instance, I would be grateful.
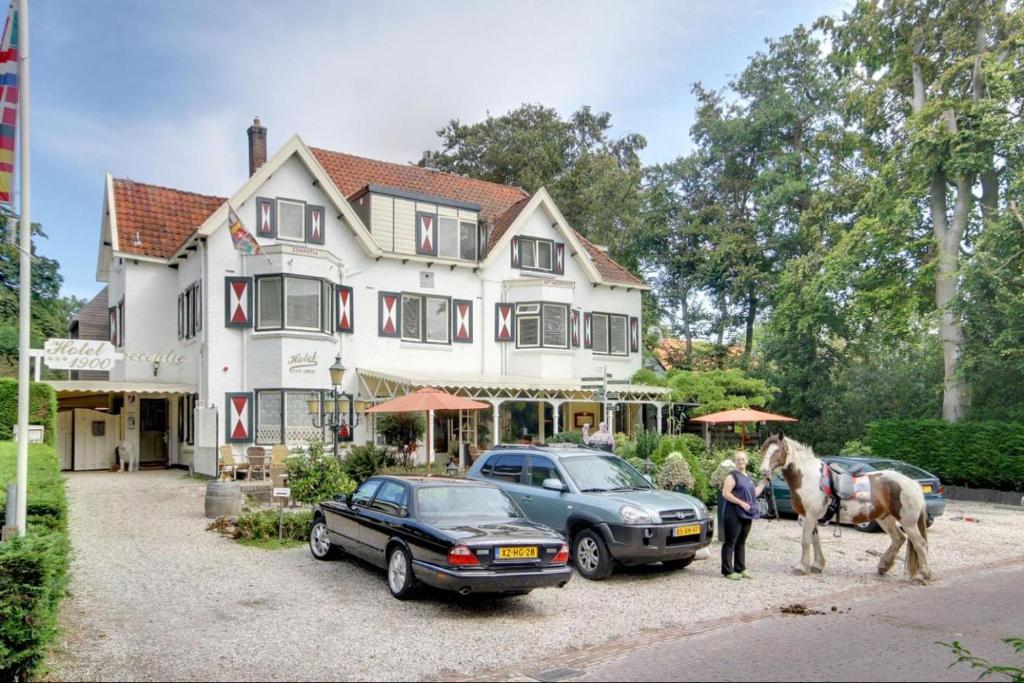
(926, 83)
(594, 177)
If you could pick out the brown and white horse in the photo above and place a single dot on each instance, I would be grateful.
(896, 503)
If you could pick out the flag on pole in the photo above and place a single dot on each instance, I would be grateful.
(8, 104)
(240, 237)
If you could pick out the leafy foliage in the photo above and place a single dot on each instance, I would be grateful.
(42, 408)
(565, 437)
(33, 569)
(675, 472)
(362, 462)
(977, 454)
(262, 525)
(315, 476)
(716, 390)
(987, 668)
(401, 429)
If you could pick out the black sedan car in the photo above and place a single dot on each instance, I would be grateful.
(931, 486)
(451, 534)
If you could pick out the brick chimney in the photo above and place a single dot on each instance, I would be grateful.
(257, 145)
(427, 161)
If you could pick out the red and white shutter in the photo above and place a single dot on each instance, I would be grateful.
(588, 342)
(346, 321)
(462, 321)
(239, 417)
(426, 233)
(559, 258)
(314, 224)
(514, 248)
(575, 329)
(238, 302)
(634, 335)
(388, 320)
(504, 323)
(266, 217)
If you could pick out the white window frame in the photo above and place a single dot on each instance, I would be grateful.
(476, 240)
(565, 327)
(534, 244)
(441, 221)
(424, 301)
(324, 308)
(302, 221)
(593, 336)
(419, 300)
(607, 318)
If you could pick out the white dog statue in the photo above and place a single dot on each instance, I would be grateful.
(127, 455)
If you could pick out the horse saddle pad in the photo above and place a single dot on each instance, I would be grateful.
(845, 486)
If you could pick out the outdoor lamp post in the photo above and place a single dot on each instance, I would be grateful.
(333, 421)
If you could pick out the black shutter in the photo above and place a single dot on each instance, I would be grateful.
(559, 265)
(238, 417)
(266, 217)
(426, 233)
(389, 314)
(504, 322)
(588, 339)
(315, 219)
(514, 250)
(237, 301)
(345, 307)
(634, 335)
(462, 321)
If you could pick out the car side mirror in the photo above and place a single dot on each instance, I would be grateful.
(554, 485)
(403, 511)
(343, 498)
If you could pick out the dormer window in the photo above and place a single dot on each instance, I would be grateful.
(456, 239)
(291, 220)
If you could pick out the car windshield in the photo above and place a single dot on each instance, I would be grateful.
(450, 502)
(592, 473)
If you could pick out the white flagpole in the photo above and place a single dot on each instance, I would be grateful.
(25, 283)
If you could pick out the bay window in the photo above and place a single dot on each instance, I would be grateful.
(542, 325)
(291, 302)
(426, 319)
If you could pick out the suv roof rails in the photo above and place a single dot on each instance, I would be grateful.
(542, 446)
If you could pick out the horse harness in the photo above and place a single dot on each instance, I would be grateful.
(830, 487)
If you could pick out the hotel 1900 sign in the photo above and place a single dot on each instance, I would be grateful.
(78, 354)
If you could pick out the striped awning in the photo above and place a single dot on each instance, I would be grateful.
(88, 386)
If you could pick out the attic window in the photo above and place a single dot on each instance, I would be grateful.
(536, 254)
(456, 239)
(291, 220)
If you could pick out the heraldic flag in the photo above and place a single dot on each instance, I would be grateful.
(240, 237)
(8, 104)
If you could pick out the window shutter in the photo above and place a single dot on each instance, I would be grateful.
(388, 318)
(239, 417)
(559, 264)
(575, 329)
(314, 224)
(462, 321)
(266, 217)
(346, 319)
(237, 302)
(504, 323)
(588, 342)
(181, 316)
(426, 233)
(112, 317)
(514, 249)
(634, 335)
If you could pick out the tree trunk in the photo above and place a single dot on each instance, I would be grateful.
(684, 309)
(723, 314)
(748, 344)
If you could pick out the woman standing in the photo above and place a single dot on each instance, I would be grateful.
(740, 494)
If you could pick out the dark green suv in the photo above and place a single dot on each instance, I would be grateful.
(607, 509)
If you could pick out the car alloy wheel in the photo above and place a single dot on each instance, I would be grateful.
(320, 541)
(588, 555)
(398, 571)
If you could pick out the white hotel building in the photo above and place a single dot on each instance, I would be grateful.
(412, 276)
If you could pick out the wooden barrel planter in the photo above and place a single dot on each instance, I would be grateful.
(223, 499)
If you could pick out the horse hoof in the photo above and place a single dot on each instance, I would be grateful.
(801, 570)
(816, 570)
(919, 581)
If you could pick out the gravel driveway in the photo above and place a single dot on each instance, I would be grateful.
(156, 597)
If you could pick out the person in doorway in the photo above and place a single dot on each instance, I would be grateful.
(602, 439)
(740, 494)
(586, 432)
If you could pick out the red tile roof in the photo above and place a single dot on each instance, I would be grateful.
(351, 174)
(162, 218)
(154, 221)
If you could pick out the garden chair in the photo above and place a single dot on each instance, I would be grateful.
(228, 464)
(278, 454)
(257, 456)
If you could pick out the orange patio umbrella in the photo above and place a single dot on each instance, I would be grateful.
(427, 400)
(739, 415)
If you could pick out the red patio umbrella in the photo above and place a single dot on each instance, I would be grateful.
(739, 415)
(427, 400)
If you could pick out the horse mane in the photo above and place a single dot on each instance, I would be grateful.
(799, 453)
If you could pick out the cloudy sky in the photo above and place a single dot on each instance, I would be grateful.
(163, 92)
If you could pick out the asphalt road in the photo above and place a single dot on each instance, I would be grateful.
(882, 637)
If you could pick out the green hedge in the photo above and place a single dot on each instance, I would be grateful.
(34, 569)
(42, 408)
(977, 454)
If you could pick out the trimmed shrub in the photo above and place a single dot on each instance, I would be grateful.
(978, 454)
(565, 437)
(42, 408)
(685, 444)
(33, 570)
(676, 473)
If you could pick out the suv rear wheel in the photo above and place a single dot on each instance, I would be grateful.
(591, 556)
